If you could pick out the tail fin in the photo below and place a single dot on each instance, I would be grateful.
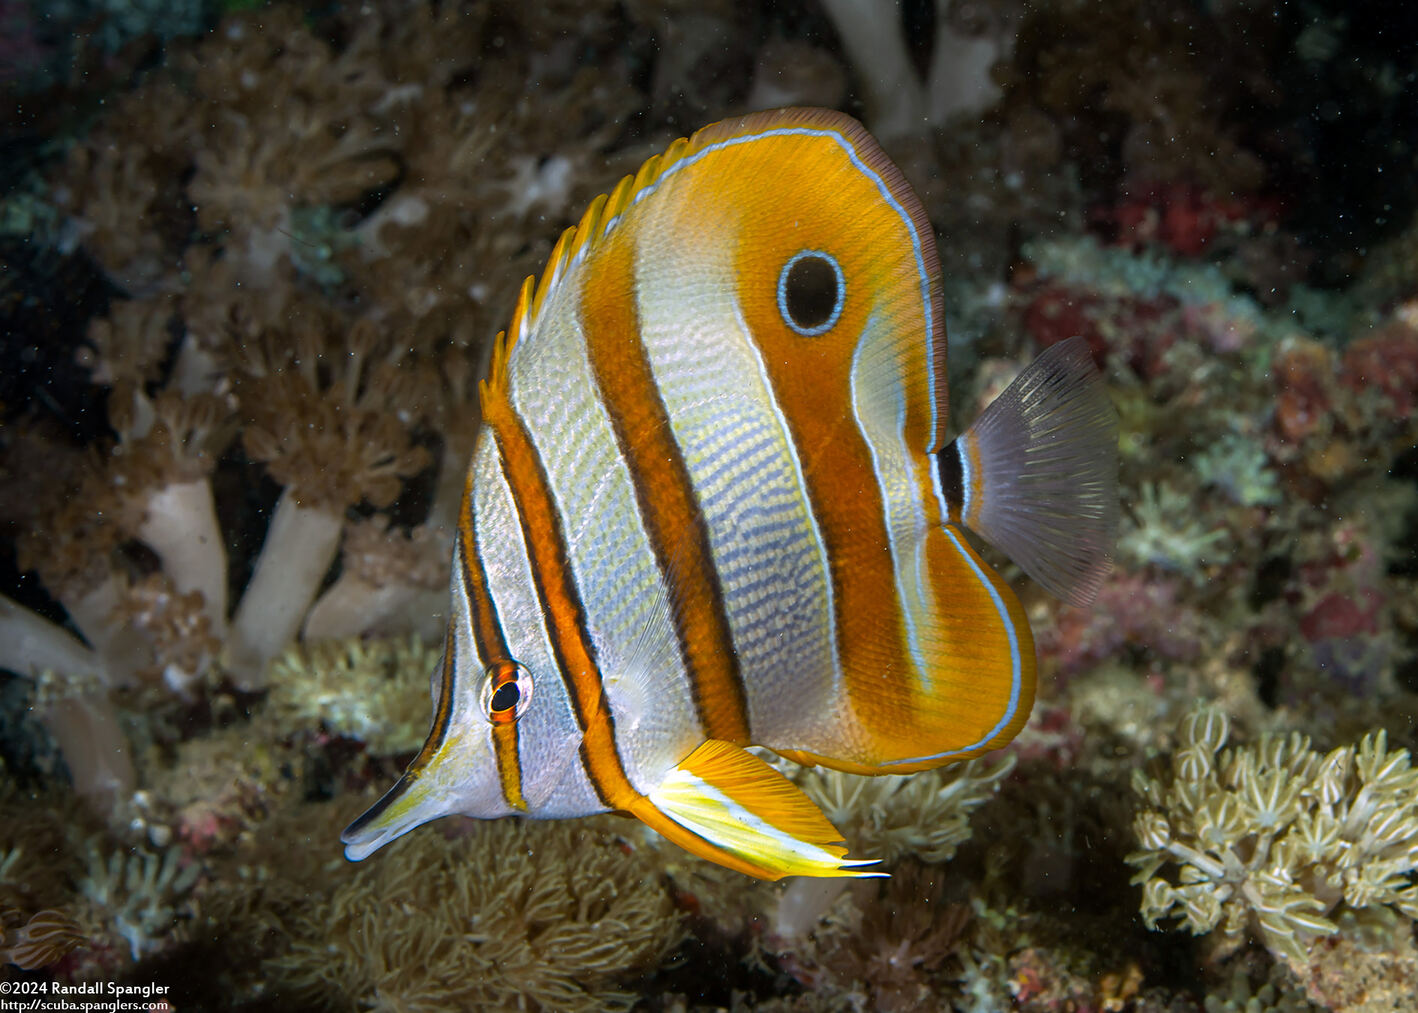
(1037, 474)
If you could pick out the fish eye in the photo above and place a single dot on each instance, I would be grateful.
(811, 290)
(507, 690)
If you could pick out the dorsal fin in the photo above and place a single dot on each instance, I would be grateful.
(575, 244)
(601, 217)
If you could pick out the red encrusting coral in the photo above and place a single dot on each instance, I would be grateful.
(1386, 364)
(1183, 218)
(1304, 377)
(1132, 611)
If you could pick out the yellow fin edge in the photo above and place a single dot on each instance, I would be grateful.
(730, 807)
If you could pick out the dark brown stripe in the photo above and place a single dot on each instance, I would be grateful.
(560, 601)
(443, 712)
(489, 643)
(664, 493)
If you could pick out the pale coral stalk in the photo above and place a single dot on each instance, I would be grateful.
(95, 612)
(300, 545)
(355, 607)
(95, 750)
(898, 103)
(390, 583)
(180, 525)
(959, 80)
(30, 644)
(870, 31)
(91, 609)
(805, 902)
(83, 725)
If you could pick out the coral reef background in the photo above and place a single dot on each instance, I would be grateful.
(251, 257)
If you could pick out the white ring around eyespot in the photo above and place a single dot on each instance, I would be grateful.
(831, 321)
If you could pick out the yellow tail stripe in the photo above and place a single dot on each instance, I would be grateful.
(556, 589)
(674, 523)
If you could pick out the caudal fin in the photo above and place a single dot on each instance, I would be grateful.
(1037, 474)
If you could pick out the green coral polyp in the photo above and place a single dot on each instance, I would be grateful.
(1274, 836)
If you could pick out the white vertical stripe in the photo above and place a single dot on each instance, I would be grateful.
(766, 548)
(622, 592)
(554, 781)
(880, 413)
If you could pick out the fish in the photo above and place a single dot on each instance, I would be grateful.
(713, 513)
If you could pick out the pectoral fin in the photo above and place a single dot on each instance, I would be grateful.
(730, 807)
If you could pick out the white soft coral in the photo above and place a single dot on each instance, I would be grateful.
(899, 103)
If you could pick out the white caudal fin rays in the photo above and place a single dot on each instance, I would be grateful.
(730, 807)
(1037, 474)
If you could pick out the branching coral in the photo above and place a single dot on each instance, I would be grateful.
(122, 191)
(152, 487)
(1274, 835)
(260, 161)
(138, 897)
(300, 292)
(1239, 467)
(1164, 531)
(511, 915)
(925, 815)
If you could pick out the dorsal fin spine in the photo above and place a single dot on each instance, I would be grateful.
(576, 242)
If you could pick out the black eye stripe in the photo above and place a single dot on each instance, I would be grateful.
(811, 291)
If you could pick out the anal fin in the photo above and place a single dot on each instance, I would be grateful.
(728, 806)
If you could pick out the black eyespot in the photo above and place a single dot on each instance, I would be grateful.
(811, 290)
(506, 692)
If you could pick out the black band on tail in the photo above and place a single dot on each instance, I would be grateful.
(951, 478)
